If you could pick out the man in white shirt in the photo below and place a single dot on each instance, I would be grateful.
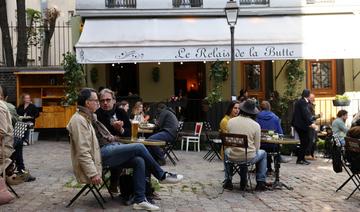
(245, 124)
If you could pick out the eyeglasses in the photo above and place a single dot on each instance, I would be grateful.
(105, 100)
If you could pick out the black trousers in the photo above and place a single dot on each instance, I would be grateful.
(17, 155)
(304, 136)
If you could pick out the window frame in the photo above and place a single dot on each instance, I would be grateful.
(253, 93)
(322, 91)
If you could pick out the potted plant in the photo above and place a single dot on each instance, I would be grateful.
(73, 77)
(341, 100)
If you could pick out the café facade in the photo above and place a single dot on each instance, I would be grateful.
(181, 43)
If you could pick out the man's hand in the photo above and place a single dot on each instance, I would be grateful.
(118, 125)
(96, 180)
(314, 126)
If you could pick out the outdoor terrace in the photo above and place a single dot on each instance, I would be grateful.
(314, 186)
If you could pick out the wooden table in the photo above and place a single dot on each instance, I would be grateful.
(277, 183)
(146, 142)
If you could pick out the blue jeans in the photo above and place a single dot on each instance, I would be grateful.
(134, 156)
(259, 160)
(156, 151)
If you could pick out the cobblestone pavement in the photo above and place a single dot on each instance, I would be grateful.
(314, 187)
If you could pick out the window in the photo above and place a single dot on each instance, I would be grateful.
(254, 78)
(322, 77)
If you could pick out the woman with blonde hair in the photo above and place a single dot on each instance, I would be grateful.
(27, 109)
(138, 112)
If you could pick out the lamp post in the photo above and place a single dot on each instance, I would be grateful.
(231, 11)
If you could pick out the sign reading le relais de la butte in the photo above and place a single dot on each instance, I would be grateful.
(250, 52)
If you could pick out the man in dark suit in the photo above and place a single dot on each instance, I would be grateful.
(302, 122)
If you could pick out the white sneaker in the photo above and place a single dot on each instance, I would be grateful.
(172, 178)
(145, 206)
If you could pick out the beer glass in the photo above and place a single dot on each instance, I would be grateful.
(134, 129)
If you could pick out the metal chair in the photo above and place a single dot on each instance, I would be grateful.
(213, 141)
(352, 146)
(169, 147)
(237, 141)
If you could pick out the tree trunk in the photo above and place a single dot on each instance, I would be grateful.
(21, 56)
(6, 40)
(49, 28)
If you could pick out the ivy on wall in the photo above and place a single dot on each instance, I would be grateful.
(219, 73)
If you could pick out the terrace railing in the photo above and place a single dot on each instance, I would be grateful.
(120, 3)
(187, 3)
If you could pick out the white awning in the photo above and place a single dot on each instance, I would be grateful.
(208, 39)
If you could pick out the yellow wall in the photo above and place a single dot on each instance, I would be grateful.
(162, 90)
(281, 81)
(352, 67)
(102, 73)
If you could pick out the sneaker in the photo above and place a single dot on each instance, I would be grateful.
(145, 206)
(228, 185)
(26, 176)
(171, 178)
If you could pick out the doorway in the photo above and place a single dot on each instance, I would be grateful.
(189, 82)
(123, 79)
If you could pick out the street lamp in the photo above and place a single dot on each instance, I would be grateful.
(231, 11)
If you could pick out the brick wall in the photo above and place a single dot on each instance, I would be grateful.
(8, 80)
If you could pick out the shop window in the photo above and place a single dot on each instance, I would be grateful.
(322, 77)
(254, 78)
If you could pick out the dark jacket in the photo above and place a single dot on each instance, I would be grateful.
(168, 122)
(302, 117)
(269, 121)
(105, 118)
(31, 110)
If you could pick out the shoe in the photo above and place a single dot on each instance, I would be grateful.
(303, 162)
(145, 206)
(155, 196)
(260, 186)
(26, 176)
(150, 200)
(228, 185)
(171, 178)
(14, 179)
(284, 159)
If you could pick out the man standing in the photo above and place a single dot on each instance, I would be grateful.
(302, 122)
(86, 150)
(245, 124)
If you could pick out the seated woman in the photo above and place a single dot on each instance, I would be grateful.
(338, 126)
(231, 112)
(268, 121)
(138, 113)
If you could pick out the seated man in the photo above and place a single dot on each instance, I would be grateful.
(268, 121)
(167, 124)
(87, 151)
(354, 157)
(245, 124)
(114, 118)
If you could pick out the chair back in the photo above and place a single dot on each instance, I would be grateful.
(352, 145)
(198, 128)
(20, 129)
(180, 127)
(234, 140)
